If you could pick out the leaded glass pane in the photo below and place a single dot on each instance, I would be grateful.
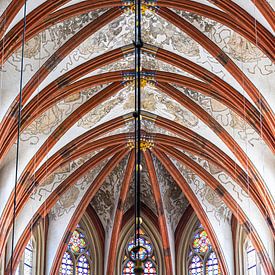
(83, 266)
(77, 258)
(212, 265)
(201, 257)
(149, 265)
(129, 268)
(28, 259)
(201, 242)
(149, 268)
(196, 266)
(251, 260)
(67, 265)
(77, 243)
(142, 254)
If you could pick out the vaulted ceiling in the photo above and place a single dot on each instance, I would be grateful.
(208, 122)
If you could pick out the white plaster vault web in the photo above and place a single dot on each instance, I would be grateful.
(160, 33)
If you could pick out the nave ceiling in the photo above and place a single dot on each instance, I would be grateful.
(207, 119)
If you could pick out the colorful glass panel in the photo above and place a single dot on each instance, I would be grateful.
(201, 257)
(212, 265)
(143, 242)
(77, 258)
(129, 268)
(201, 242)
(149, 268)
(83, 266)
(146, 252)
(77, 243)
(67, 265)
(196, 266)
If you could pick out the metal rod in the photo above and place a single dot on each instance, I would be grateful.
(138, 46)
(18, 135)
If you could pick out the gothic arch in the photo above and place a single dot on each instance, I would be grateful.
(153, 234)
(90, 226)
(183, 244)
(207, 124)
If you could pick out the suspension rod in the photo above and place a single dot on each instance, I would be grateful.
(137, 114)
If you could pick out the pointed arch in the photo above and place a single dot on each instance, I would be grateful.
(247, 257)
(151, 233)
(255, 235)
(201, 258)
(186, 189)
(183, 237)
(32, 261)
(252, 263)
(82, 206)
(92, 225)
(46, 206)
(79, 255)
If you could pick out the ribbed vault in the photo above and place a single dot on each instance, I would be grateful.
(208, 122)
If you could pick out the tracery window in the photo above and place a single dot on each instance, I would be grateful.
(77, 259)
(26, 264)
(202, 260)
(128, 262)
(253, 265)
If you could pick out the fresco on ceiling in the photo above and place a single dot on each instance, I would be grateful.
(69, 200)
(174, 201)
(148, 62)
(232, 43)
(120, 33)
(224, 116)
(41, 47)
(54, 116)
(146, 191)
(220, 175)
(107, 197)
(209, 199)
(57, 177)
(46, 123)
(152, 101)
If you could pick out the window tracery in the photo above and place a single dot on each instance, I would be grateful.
(202, 260)
(253, 265)
(150, 266)
(77, 259)
(26, 264)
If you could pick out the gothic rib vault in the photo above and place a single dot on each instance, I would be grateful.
(208, 121)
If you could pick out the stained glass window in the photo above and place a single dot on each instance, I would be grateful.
(253, 265)
(150, 267)
(28, 258)
(212, 265)
(83, 266)
(196, 265)
(77, 260)
(67, 265)
(26, 264)
(251, 259)
(202, 260)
